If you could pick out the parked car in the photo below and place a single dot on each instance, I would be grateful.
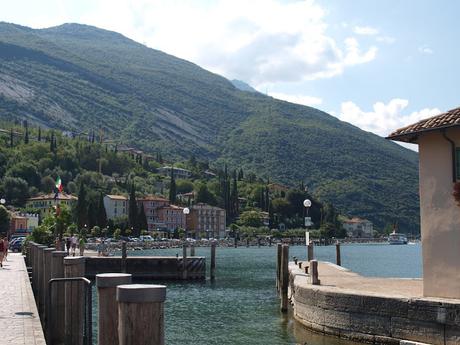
(146, 238)
(16, 246)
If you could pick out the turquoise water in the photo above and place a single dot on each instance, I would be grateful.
(242, 307)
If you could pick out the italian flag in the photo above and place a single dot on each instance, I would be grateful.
(59, 184)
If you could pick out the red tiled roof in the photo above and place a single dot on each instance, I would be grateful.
(444, 120)
(152, 198)
(61, 196)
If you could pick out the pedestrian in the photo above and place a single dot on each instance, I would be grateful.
(6, 245)
(1, 251)
(73, 240)
(68, 243)
(81, 245)
(98, 247)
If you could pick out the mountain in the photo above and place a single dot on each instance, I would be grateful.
(77, 77)
(241, 85)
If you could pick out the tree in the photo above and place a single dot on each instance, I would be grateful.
(26, 134)
(63, 219)
(132, 209)
(204, 195)
(172, 188)
(15, 190)
(11, 138)
(81, 208)
(4, 220)
(142, 221)
(250, 218)
(101, 213)
(39, 134)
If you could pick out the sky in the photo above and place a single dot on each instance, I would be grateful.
(379, 64)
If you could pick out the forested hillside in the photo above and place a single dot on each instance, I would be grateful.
(76, 77)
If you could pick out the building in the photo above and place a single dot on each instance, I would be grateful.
(206, 221)
(151, 204)
(46, 203)
(22, 223)
(438, 140)
(357, 227)
(178, 172)
(170, 217)
(115, 206)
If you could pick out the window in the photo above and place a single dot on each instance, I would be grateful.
(457, 162)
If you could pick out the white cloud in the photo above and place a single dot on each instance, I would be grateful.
(365, 30)
(260, 41)
(384, 118)
(385, 39)
(425, 50)
(299, 99)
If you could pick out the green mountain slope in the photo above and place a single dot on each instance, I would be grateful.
(78, 77)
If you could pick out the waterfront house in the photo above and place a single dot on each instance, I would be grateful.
(438, 139)
(206, 220)
(22, 223)
(151, 203)
(115, 206)
(171, 217)
(357, 227)
(46, 203)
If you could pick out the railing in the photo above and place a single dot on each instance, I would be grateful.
(88, 328)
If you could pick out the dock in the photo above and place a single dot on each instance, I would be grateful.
(19, 319)
(375, 310)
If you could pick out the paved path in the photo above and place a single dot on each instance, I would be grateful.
(337, 278)
(16, 296)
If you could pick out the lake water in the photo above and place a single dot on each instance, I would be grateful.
(242, 306)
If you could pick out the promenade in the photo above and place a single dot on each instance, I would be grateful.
(19, 320)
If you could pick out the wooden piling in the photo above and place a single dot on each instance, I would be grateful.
(338, 259)
(278, 266)
(213, 260)
(310, 252)
(56, 311)
(314, 272)
(123, 256)
(184, 262)
(236, 242)
(40, 279)
(74, 300)
(192, 249)
(46, 278)
(141, 314)
(284, 277)
(300, 265)
(108, 308)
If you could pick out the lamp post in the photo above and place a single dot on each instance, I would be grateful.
(307, 219)
(2, 201)
(186, 211)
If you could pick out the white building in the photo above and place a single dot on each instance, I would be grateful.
(178, 172)
(115, 206)
(357, 227)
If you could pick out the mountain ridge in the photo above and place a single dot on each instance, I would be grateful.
(76, 77)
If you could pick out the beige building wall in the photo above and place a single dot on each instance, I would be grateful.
(440, 216)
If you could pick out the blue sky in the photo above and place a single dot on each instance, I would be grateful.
(377, 64)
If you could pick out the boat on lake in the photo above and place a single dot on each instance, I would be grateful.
(397, 238)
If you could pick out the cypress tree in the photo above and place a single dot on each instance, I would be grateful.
(26, 135)
(142, 220)
(172, 187)
(234, 196)
(132, 209)
(92, 214)
(101, 214)
(11, 138)
(81, 209)
(52, 142)
(39, 134)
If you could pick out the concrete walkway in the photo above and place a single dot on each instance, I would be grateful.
(17, 326)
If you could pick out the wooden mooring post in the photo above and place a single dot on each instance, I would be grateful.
(192, 249)
(213, 260)
(47, 257)
(338, 259)
(310, 251)
(184, 262)
(141, 314)
(108, 308)
(123, 257)
(74, 300)
(40, 279)
(56, 312)
(314, 272)
(278, 266)
(284, 277)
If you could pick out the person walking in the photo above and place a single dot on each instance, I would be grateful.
(68, 243)
(81, 245)
(73, 240)
(6, 245)
(1, 251)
